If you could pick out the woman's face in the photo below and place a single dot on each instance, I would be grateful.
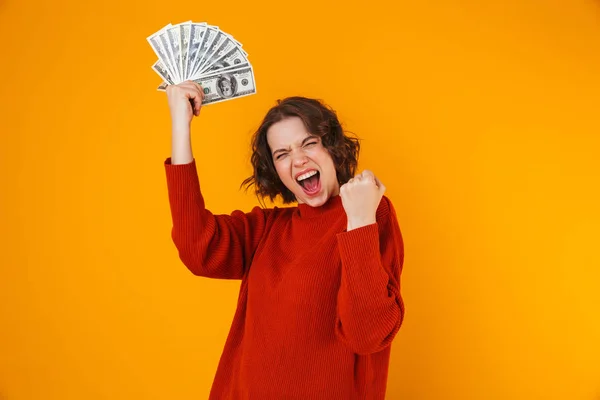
(304, 166)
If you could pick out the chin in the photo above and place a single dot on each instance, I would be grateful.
(314, 201)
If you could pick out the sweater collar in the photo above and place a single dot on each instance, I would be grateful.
(333, 204)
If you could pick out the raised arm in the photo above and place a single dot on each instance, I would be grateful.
(214, 246)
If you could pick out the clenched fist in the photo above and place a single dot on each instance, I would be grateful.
(185, 101)
(361, 196)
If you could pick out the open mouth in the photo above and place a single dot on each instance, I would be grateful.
(310, 182)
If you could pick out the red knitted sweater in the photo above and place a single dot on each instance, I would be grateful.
(318, 306)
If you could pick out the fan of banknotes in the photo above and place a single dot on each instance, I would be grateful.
(206, 55)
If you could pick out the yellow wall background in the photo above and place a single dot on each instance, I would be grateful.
(482, 118)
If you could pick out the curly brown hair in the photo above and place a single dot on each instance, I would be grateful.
(320, 120)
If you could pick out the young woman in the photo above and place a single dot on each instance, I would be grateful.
(319, 302)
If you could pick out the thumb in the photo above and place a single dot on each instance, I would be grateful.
(380, 185)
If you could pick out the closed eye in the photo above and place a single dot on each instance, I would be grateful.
(310, 144)
(281, 155)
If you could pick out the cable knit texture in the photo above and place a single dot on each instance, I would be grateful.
(318, 306)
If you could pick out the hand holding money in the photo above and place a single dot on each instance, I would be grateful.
(185, 102)
(204, 55)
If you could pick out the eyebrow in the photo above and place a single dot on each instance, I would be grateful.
(306, 139)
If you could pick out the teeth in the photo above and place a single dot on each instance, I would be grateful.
(306, 175)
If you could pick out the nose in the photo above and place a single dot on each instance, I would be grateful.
(300, 160)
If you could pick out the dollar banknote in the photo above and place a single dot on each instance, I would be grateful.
(202, 53)
(209, 37)
(184, 34)
(160, 51)
(233, 58)
(161, 70)
(163, 38)
(224, 86)
(197, 32)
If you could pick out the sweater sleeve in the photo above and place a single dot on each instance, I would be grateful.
(370, 308)
(209, 245)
